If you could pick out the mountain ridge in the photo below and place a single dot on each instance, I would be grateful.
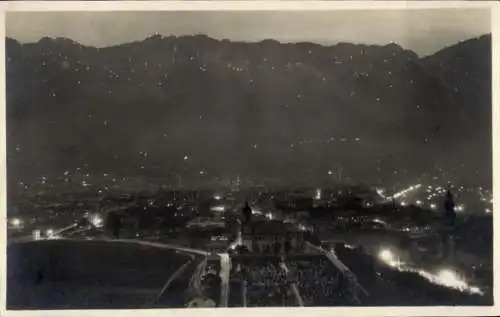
(266, 93)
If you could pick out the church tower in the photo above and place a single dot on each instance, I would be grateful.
(247, 213)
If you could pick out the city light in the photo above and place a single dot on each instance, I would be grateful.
(433, 206)
(380, 192)
(450, 278)
(488, 210)
(389, 258)
(16, 222)
(37, 235)
(49, 233)
(218, 208)
(256, 212)
(318, 194)
(217, 197)
(97, 220)
(405, 191)
(447, 278)
(380, 221)
(386, 255)
(418, 202)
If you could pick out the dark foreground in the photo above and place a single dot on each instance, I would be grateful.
(59, 274)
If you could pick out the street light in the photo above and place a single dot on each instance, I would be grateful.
(389, 258)
(386, 255)
(16, 223)
(450, 278)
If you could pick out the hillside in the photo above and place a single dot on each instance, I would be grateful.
(258, 108)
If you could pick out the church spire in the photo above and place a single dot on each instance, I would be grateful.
(247, 212)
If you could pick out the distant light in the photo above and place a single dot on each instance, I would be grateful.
(217, 197)
(418, 202)
(403, 203)
(256, 212)
(377, 220)
(49, 233)
(37, 235)
(449, 278)
(386, 255)
(330, 172)
(433, 206)
(318, 194)
(16, 222)
(380, 192)
(218, 208)
(97, 220)
(186, 158)
(488, 210)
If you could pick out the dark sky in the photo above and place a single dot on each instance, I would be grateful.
(424, 31)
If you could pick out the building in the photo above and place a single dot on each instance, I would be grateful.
(294, 203)
(206, 222)
(218, 243)
(269, 236)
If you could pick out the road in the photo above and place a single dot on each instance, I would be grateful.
(225, 271)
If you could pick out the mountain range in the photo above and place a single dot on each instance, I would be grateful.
(167, 105)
